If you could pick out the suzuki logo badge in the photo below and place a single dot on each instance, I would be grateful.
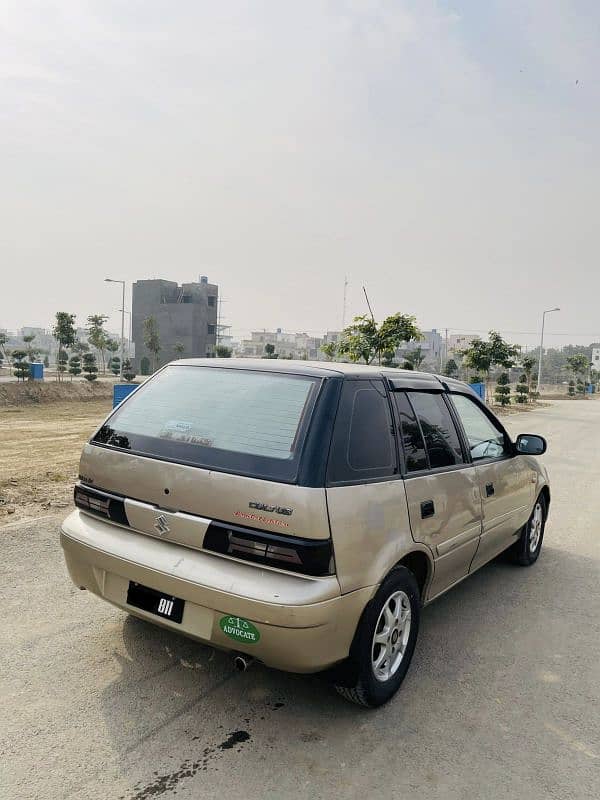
(160, 524)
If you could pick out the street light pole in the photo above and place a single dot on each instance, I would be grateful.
(539, 380)
(110, 280)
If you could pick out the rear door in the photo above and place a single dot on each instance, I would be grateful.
(505, 481)
(442, 488)
(365, 492)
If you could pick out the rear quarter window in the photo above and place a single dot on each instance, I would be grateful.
(363, 445)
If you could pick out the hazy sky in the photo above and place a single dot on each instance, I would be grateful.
(443, 153)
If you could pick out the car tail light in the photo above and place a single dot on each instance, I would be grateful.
(101, 504)
(306, 556)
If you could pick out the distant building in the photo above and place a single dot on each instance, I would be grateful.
(431, 345)
(287, 345)
(460, 341)
(185, 314)
(596, 358)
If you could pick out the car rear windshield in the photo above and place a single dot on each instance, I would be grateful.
(235, 420)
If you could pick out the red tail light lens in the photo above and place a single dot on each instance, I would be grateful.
(306, 556)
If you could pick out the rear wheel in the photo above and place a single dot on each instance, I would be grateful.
(384, 643)
(526, 549)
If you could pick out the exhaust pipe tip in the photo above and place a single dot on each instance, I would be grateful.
(241, 662)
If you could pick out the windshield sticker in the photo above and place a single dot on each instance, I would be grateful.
(182, 431)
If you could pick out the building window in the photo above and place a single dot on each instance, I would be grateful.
(211, 299)
(211, 330)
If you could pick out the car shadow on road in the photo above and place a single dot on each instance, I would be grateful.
(500, 634)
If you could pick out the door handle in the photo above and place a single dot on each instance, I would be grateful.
(489, 489)
(427, 509)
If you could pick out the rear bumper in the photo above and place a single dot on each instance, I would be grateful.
(305, 624)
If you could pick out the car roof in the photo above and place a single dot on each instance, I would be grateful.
(401, 378)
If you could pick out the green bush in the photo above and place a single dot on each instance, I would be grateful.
(502, 393)
(522, 390)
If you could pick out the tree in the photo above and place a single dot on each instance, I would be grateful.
(128, 372)
(533, 389)
(90, 368)
(97, 336)
(482, 356)
(114, 362)
(451, 368)
(388, 359)
(64, 332)
(528, 363)
(365, 340)
(74, 366)
(32, 352)
(416, 357)
(270, 351)
(502, 393)
(329, 349)
(578, 364)
(221, 351)
(20, 364)
(46, 361)
(179, 349)
(152, 339)
(80, 347)
(580, 387)
(571, 389)
(522, 389)
(62, 359)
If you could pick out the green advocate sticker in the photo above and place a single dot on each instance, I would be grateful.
(239, 629)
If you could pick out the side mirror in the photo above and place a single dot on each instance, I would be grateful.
(530, 444)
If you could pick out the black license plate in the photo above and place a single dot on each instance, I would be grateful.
(163, 605)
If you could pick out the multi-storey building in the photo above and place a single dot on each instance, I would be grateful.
(186, 317)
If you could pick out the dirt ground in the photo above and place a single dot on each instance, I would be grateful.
(40, 446)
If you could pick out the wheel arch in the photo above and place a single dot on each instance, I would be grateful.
(419, 562)
(545, 493)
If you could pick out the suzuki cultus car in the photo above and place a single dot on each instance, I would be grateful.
(300, 513)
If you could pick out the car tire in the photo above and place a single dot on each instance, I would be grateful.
(384, 642)
(526, 550)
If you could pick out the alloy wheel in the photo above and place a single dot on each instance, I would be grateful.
(391, 636)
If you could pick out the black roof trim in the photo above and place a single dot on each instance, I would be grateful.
(429, 384)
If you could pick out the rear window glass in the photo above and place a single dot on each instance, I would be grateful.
(239, 420)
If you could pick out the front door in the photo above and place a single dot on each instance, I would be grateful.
(442, 489)
(505, 480)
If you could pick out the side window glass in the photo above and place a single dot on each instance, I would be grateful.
(441, 438)
(415, 457)
(485, 439)
(363, 445)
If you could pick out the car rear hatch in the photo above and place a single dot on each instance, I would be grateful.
(210, 458)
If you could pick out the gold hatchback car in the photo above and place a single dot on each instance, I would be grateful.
(300, 513)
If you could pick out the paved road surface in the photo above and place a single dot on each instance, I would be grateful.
(502, 699)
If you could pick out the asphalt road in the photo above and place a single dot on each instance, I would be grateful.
(502, 699)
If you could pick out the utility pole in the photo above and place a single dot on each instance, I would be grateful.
(345, 299)
(111, 280)
(539, 380)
